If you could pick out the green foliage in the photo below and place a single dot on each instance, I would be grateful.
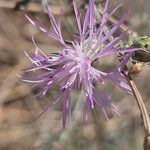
(142, 42)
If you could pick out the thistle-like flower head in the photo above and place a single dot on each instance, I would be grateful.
(72, 69)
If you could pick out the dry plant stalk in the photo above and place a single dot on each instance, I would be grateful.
(143, 111)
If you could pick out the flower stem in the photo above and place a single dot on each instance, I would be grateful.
(143, 110)
(141, 105)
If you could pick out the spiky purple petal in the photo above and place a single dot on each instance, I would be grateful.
(72, 68)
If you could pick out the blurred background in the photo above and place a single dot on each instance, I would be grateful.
(19, 105)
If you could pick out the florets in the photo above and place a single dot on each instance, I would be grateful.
(71, 69)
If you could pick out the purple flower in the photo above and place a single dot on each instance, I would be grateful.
(71, 69)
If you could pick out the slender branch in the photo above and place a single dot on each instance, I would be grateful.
(141, 105)
(143, 110)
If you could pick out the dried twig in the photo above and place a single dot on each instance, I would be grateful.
(143, 110)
